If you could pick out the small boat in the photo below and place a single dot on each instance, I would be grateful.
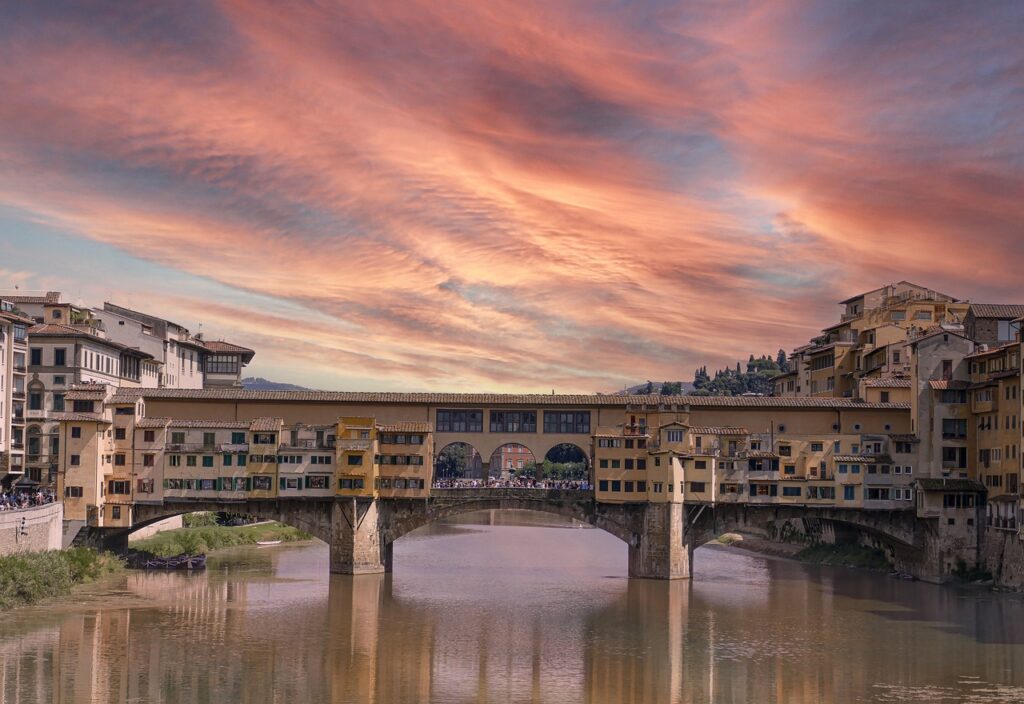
(268, 542)
(179, 562)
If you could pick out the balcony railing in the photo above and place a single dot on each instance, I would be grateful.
(357, 445)
(190, 447)
(310, 444)
(233, 447)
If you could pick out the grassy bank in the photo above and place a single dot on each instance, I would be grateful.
(27, 578)
(208, 538)
(845, 556)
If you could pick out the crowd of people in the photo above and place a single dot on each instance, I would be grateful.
(13, 499)
(515, 483)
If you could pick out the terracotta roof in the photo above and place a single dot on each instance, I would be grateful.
(152, 422)
(222, 347)
(943, 384)
(862, 459)
(540, 400)
(888, 382)
(760, 455)
(48, 297)
(84, 395)
(217, 424)
(997, 310)
(79, 417)
(13, 317)
(719, 430)
(992, 349)
(265, 424)
(405, 427)
(938, 484)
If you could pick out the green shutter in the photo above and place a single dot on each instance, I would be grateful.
(282, 482)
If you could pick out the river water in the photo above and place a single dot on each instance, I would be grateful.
(513, 607)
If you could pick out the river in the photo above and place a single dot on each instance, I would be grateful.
(513, 607)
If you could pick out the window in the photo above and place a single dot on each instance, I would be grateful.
(238, 438)
(697, 487)
(119, 460)
(789, 469)
(898, 315)
(848, 493)
(354, 460)
(264, 438)
(58, 402)
(145, 486)
(791, 491)
(149, 436)
(854, 469)
(700, 464)
(227, 460)
(174, 460)
(641, 464)
(513, 421)
(785, 451)
(72, 492)
(629, 487)
(35, 357)
(566, 421)
(602, 485)
(35, 401)
(885, 397)
(673, 436)
(119, 433)
(190, 461)
(261, 483)
(117, 486)
(60, 357)
(604, 464)
(954, 428)
(628, 463)
(616, 485)
(76, 431)
(817, 447)
(241, 461)
(82, 406)
(460, 421)
(177, 438)
(844, 468)
(220, 364)
(148, 460)
(209, 439)
(75, 460)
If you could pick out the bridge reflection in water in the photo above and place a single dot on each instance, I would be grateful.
(558, 622)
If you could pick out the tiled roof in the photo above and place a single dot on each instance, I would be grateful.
(864, 459)
(215, 424)
(259, 425)
(83, 395)
(48, 297)
(938, 484)
(719, 430)
(541, 400)
(222, 347)
(997, 310)
(943, 384)
(992, 349)
(405, 427)
(79, 417)
(888, 382)
(761, 455)
(57, 330)
(152, 423)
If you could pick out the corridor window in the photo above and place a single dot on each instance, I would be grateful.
(566, 421)
(460, 421)
(513, 421)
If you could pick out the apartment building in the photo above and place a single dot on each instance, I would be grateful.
(993, 323)
(869, 343)
(13, 354)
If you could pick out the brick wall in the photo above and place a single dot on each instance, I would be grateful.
(31, 529)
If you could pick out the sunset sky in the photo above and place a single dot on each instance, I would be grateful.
(500, 195)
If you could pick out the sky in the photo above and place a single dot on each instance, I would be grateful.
(506, 195)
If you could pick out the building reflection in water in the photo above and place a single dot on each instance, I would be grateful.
(468, 618)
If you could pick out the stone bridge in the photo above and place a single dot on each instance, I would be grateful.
(661, 537)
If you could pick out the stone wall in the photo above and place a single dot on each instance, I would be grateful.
(1003, 556)
(172, 523)
(31, 529)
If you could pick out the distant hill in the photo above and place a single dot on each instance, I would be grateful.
(675, 388)
(256, 383)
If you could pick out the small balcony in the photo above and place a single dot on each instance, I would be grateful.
(354, 445)
(190, 447)
(233, 447)
(18, 395)
(310, 444)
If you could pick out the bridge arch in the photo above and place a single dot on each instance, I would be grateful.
(511, 459)
(458, 460)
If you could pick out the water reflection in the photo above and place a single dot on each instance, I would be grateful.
(505, 609)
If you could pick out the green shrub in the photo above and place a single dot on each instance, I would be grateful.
(199, 519)
(206, 539)
(30, 577)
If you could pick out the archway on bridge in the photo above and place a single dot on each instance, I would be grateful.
(458, 461)
(564, 462)
(512, 461)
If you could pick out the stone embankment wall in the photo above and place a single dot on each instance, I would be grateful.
(1003, 556)
(172, 523)
(31, 529)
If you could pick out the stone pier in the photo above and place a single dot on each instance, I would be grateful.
(660, 549)
(357, 544)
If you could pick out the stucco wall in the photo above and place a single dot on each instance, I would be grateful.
(31, 529)
(172, 523)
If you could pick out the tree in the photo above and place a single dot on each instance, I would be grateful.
(782, 362)
(649, 389)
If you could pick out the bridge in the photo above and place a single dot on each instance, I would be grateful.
(661, 537)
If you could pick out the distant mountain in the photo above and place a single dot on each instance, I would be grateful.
(675, 388)
(256, 383)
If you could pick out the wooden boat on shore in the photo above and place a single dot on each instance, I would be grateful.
(264, 543)
(179, 562)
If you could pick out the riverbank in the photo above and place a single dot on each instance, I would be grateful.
(857, 556)
(205, 539)
(28, 578)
